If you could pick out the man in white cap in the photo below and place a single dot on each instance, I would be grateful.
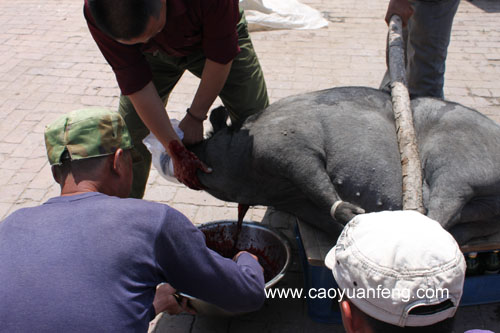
(398, 272)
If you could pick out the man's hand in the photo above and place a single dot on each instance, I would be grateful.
(402, 8)
(166, 301)
(237, 255)
(185, 165)
(193, 130)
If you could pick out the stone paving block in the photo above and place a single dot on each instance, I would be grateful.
(95, 100)
(91, 91)
(52, 112)
(95, 74)
(166, 323)
(29, 104)
(9, 65)
(160, 193)
(63, 97)
(153, 174)
(257, 213)
(4, 208)
(12, 163)
(36, 161)
(7, 148)
(6, 175)
(19, 133)
(212, 213)
(10, 123)
(108, 92)
(188, 210)
(22, 178)
(159, 180)
(10, 193)
(46, 79)
(43, 180)
(74, 81)
(21, 204)
(188, 196)
(8, 105)
(29, 147)
(33, 195)
(110, 82)
(53, 191)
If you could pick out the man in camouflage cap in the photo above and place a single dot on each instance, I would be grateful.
(91, 259)
(84, 140)
(86, 133)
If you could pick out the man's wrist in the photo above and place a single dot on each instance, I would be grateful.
(197, 115)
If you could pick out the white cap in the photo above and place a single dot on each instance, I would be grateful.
(389, 263)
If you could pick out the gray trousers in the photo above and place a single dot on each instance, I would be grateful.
(427, 37)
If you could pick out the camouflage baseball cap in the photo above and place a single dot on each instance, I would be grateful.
(86, 133)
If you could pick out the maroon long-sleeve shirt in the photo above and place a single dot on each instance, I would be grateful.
(191, 26)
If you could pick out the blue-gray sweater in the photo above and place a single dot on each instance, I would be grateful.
(91, 263)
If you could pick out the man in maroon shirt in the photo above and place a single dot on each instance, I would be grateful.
(150, 43)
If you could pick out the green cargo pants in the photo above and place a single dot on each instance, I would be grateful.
(243, 94)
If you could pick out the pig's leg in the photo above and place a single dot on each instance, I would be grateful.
(317, 186)
(465, 232)
(447, 201)
(308, 212)
(218, 118)
(480, 208)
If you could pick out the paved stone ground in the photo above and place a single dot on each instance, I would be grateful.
(49, 65)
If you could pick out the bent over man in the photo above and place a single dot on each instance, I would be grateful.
(150, 43)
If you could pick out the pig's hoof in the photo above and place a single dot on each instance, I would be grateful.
(343, 211)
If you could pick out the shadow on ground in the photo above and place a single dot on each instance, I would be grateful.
(489, 6)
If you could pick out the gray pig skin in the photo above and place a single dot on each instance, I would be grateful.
(305, 152)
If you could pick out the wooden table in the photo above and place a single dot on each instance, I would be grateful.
(317, 243)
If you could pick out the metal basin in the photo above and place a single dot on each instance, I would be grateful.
(269, 245)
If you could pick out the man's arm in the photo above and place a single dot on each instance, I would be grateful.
(213, 78)
(149, 107)
(190, 267)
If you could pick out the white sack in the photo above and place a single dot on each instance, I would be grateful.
(281, 14)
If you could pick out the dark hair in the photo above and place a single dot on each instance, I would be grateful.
(445, 326)
(123, 19)
(80, 169)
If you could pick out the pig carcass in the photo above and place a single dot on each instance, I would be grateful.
(304, 153)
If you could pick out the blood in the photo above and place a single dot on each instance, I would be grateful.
(271, 268)
(217, 241)
(185, 171)
(242, 210)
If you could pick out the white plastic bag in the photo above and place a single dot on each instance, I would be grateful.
(281, 14)
(159, 157)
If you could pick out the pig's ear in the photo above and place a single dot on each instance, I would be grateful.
(218, 118)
